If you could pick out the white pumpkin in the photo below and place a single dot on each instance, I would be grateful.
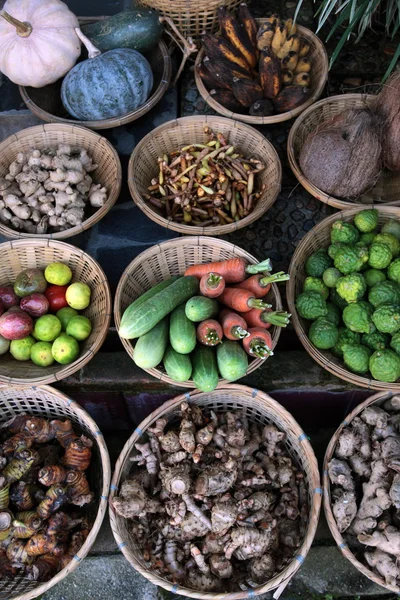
(38, 43)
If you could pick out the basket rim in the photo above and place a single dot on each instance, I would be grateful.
(294, 165)
(340, 541)
(297, 259)
(103, 500)
(181, 241)
(281, 579)
(100, 213)
(213, 121)
(83, 359)
(114, 121)
(273, 119)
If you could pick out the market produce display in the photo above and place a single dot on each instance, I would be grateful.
(256, 70)
(206, 323)
(352, 295)
(43, 466)
(39, 316)
(364, 475)
(215, 502)
(49, 190)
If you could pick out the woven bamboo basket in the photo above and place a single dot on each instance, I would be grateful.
(46, 103)
(386, 190)
(377, 399)
(319, 76)
(173, 258)
(52, 404)
(143, 166)
(260, 408)
(191, 16)
(319, 237)
(108, 172)
(23, 254)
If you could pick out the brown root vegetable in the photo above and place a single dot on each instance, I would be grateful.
(63, 431)
(385, 565)
(290, 97)
(344, 509)
(44, 568)
(387, 105)
(21, 496)
(78, 454)
(55, 497)
(133, 501)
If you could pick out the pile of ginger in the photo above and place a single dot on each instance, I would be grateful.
(365, 475)
(215, 503)
(47, 191)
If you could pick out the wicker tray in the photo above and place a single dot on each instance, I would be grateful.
(258, 407)
(108, 173)
(22, 254)
(46, 103)
(319, 237)
(345, 550)
(172, 258)
(143, 166)
(319, 78)
(50, 403)
(386, 190)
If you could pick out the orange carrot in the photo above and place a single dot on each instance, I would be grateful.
(212, 285)
(232, 270)
(260, 285)
(241, 300)
(233, 326)
(259, 343)
(209, 332)
(266, 318)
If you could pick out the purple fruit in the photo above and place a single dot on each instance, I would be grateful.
(29, 282)
(15, 325)
(14, 309)
(35, 305)
(8, 297)
(1, 308)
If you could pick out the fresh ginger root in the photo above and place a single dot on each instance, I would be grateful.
(385, 565)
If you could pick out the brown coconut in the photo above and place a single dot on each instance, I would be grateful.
(342, 157)
(387, 106)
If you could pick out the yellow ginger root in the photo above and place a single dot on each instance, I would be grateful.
(340, 474)
(174, 458)
(347, 443)
(216, 479)
(375, 416)
(394, 492)
(385, 566)
(223, 517)
(220, 566)
(362, 526)
(247, 542)
(133, 501)
(344, 508)
(271, 437)
(203, 438)
(387, 540)
(187, 438)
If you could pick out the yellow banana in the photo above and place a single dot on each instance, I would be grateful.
(285, 49)
(287, 77)
(303, 65)
(296, 43)
(302, 79)
(290, 61)
(290, 27)
(279, 38)
(265, 35)
(304, 48)
(273, 19)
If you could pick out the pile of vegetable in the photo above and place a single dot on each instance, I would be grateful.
(49, 190)
(219, 504)
(365, 478)
(206, 184)
(344, 156)
(207, 334)
(42, 469)
(30, 330)
(256, 70)
(352, 296)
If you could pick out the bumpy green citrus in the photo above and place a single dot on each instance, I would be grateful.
(386, 292)
(368, 307)
(345, 337)
(376, 340)
(323, 334)
(393, 271)
(334, 314)
(385, 366)
(395, 343)
(314, 284)
(317, 263)
(379, 256)
(356, 357)
(367, 238)
(392, 227)
(331, 276)
(311, 305)
(351, 287)
(356, 317)
(351, 259)
(373, 276)
(366, 220)
(344, 232)
(386, 318)
(333, 248)
(337, 300)
(390, 241)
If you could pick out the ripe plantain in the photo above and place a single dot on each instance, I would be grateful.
(292, 44)
(303, 65)
(302, 79)
(290, 98)
(296, 43)
(270, 74)
(290, 27)
(236, 36)
(265, 35)
(246, 91)
(206, 77)
(273, 19)
(227, 99)
(279, 38)
(262, 108)
(290, 61)
(223, 71)
(287, 77)
(249, 23)
(219, 49)
(304, 48)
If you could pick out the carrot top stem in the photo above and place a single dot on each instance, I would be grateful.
(257, 303)
(260, 349)
(281, 276)
(213, 280)
(239, 333)
(212, 335)
(278, 318)
(265, 265)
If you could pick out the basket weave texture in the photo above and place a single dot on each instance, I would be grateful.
(172, 258)
(171, 136)
(319, 76)
(387, 188)
(260, 408)
(319, 237)
(108, 172)
(192, 17)
(52, 404)
(377, 399)
(23, 254)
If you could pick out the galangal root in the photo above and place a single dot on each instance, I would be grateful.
(365, 475)
(215, 502)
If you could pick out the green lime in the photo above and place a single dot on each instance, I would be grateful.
(21, 349)
(41, 354)
(65, 349)
(58, 273)
(65, 315)
(79, 327)
(366, 220)
(47, 328)
(78, 295)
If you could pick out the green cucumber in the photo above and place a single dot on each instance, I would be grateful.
(232, 360)
(149, 294)
(200, 308)
(182, 331)
(140, 319)
(150, 347)
(205, 372)
(178, 366)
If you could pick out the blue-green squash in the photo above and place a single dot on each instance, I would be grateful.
(108, 85)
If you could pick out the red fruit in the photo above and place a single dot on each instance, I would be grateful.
(35, 305)
(15, 325)
(8, 297)
(55, 294)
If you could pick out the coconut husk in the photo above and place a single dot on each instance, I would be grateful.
(342, 157)
(387, 107)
